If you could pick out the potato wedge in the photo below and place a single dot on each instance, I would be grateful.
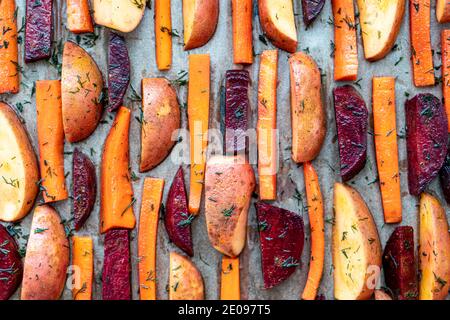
(18, 167)
(277, 21)
(307, 113)
(443, 11)
(380, 22)
(229, 184)
(356, 246)
(121, 15)
(200, 20)
(81, 90)
(47, 257)
(434, 250)
(185, 281)
(161, 118)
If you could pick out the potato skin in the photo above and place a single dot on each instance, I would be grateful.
(47, 257)
(204, 26)
(81, 90)
(29, 159)
(161, 117)
(307, 112)
(185, 281)
(11, 262)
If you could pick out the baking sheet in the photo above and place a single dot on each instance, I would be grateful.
(317, 41)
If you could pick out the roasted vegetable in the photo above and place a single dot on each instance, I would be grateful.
(84, 187)
(351, 122)
(229, 184)
(400, 265)
(18, 167)
(185, 281)
(177, 218)
(81, 90)
(118, 71)
(83, 267)
(9, 64)
(434, 250)
(236, 111)
(230, 283)
(444, 178)
(163, 34)
(381, 295)
(79, 16)
(242, 11)
(47, 257)
(356, 246)
(307, 113)
(200, 20)
(161, 118)
(443, 11)
(38, 30)
(11, 267)
(426, 135)
(121, 15)
(116, 275)
(445, 55)
(311, 10)
(281, 235)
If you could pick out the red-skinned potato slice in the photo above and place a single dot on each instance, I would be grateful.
(200, 20)
(84, 187)
(282, 235)
(185, 281)
(118, 71)
(177, 218)
(81, 90)
(10, 265)
(121, 15)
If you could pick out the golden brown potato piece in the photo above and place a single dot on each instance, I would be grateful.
(356, 246)
(81, 90)
(434, 250)
(47, 257)
(229, 184)
(381, 295)
(200, 20)
(185, 281)
(18, 167)
(380, 22)
(278, 22)
(161, 117)
(121, 15)
(307, 112)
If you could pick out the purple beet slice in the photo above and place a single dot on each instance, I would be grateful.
(399, 264)
(311, 9)
(351, 122)
(118, 71)
(236, 110)
(84, 187)
(281, 236)
(426, 140)
(177, 218)
(38, 30)
(444, 178)
(11, 267)
(116, 266)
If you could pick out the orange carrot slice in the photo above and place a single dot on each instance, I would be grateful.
(163, 34)
(83, 264)
(230, 286)
(9, 66)
(242, 31)
(445, 49)
(79, 17)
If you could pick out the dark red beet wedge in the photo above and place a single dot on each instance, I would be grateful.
(118, 71)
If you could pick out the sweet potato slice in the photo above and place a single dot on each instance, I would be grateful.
(185, 281)
(351, 122)
(118, 71)
(177, 219)
(311, 10)
(81, 89)
(229, 184)
(84, 187)
(399, 264)
(444, 178)
(10, 265)
(38, 30)
(426, 140)
(116, 267)
(281, 235)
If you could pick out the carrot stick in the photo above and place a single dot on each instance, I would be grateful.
(267, 124)
(148, 233)
(9, 67)
(242, 31)
(198, 115)
(445, 49)
(346, 49)
(230, 286)
(163, 34)
(79, 17)
(51, 140)
(116, 202)
(83, 262)
(421, 55)
(315, 213)
(443, 11)
(386, 147)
